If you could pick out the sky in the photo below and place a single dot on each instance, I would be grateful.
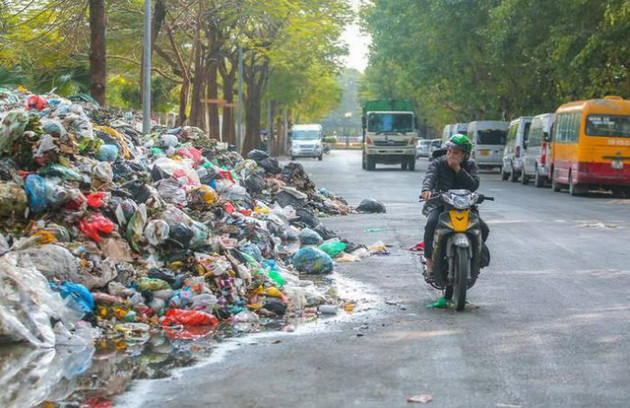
(357, 43)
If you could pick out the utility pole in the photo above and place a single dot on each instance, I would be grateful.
(269, 126)
(146, 100)
(239, 108)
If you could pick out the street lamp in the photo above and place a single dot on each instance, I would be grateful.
(146, 99)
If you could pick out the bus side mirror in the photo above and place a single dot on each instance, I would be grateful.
(546, 137)
(364, 121)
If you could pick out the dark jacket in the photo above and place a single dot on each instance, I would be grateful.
(441, 177)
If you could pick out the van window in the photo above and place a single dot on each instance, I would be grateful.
(535, 134)
(512, 133)
(526, 133)
(608, 125)
(491, 137)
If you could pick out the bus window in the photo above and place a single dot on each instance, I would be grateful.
(608, 125)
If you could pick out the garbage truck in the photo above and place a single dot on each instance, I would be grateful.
(389, 134)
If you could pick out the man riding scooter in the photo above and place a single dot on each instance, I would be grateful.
(454, 170)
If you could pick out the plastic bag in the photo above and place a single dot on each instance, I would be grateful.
(96, 224)
(171, 192)
(53, 261)
(257, 155)
(312, 261)
(135, 228)
(189, 318)
(82, 299)
(97, 200)
(153, 284)
(333, 248)
(252, 250)
(369, 205)
(27, 305)
(156, 232)
(13, 200)
(107, 153)
(309, 237)
(35, 187)
(203, 195)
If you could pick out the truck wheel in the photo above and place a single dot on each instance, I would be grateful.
(363, 165)
(371, 165)
(403, 166)
(412, 164)
(321, 157)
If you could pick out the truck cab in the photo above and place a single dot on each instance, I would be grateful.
(389, 134)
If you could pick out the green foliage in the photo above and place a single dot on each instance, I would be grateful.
(461, 60)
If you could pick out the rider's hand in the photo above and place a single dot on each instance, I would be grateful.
(425, 195)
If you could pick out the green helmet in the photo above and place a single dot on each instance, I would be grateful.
(461, 142)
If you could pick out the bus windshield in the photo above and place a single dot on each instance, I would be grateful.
(390, 122)
(491, 137)
(305, 135)
(608, 125)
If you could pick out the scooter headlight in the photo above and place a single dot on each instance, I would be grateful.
(462, 202)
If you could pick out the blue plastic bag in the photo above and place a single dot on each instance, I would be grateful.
(108, 152)
(82, 299)
(35, 187)
(313, 261)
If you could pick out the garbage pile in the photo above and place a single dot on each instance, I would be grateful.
(105, 231)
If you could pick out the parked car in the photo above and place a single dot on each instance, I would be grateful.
(514, 148)
(537, 154)
(436, 144)
(488, 138)
(422, 148)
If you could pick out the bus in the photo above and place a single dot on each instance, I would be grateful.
(591, 146)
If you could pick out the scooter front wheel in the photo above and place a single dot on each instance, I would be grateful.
(460, 278)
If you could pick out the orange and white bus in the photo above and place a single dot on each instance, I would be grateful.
(591, 146)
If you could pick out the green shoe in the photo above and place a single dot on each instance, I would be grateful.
(441, 303)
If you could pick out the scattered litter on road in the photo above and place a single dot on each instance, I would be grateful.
(370, 205)
(422, 398)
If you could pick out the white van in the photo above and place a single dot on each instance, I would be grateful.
(306, 141)
(488, 138)
(537, 150)
(446, 133)
(453, 129)
(514, 148)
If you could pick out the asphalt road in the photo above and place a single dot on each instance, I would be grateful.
(547, 325)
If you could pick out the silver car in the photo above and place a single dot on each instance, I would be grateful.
(422, 148)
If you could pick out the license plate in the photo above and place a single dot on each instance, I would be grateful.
(617, 164)
(484, 153)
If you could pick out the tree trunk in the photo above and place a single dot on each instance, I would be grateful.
(98, 52)
(253, 111)
(197, 108)
(213, 93)
(183, 103)
(229, 130)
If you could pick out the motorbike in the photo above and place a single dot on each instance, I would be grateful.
(326, 149)
(458, 248)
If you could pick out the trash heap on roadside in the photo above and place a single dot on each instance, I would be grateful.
(105, 231)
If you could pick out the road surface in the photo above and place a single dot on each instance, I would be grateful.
(547, 325)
